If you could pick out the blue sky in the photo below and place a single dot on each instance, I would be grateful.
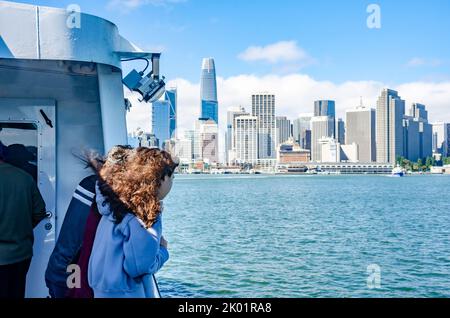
(411, 45)
(300, 51)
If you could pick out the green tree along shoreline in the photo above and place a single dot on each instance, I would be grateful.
(420, 165)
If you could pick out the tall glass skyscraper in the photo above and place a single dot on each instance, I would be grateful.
(208, 90)
(417, 134)
(171, 98)
(160, 121)
(301, 130)
(340, 131)
(164, 117)
(325, 108)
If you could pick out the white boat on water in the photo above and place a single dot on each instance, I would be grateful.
(398, 172)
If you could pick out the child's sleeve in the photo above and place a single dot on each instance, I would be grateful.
(142, 250)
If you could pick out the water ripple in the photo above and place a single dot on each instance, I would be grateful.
(289, 236)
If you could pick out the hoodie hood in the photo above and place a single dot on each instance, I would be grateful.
(124, 256)
(103, 206)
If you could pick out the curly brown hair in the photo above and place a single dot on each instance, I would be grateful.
(130, 180)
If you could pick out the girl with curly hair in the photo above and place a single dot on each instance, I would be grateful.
(129, 247)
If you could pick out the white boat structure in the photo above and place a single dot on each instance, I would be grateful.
(398, 172)
(61, 92)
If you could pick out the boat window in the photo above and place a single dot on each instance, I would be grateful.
(20, 144)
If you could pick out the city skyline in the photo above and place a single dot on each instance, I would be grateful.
(398, 134)
(296, 88)
(186, 123)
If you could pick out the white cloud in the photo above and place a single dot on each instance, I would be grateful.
(295, 94)
(132, 4)
(435, 96)
(283, 51)
(418, 61)
(140, 114)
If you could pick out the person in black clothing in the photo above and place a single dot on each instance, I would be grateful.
(19, 156)
(21, 209)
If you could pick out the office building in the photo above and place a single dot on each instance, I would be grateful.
(246, 139)
(330, 150)
(142, 139)
(418, 135)
(325, 108)
(389, 126)
(263, 107)
(171, 98)
(161, 121)
(321, 127)
(183, 150)
(164, 117)
(441, 138)
(340, 131)
(360, 129)
(208, 90)
(418, 111)
(232, 113)
(411, 145)
(301, 130)
(333, 151)
(283, 129)
(207, 135)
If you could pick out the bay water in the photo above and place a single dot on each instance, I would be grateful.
(307, 236)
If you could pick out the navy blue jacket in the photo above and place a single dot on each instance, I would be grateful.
(71, 235)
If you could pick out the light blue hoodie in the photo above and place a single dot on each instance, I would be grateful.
(125, 256)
